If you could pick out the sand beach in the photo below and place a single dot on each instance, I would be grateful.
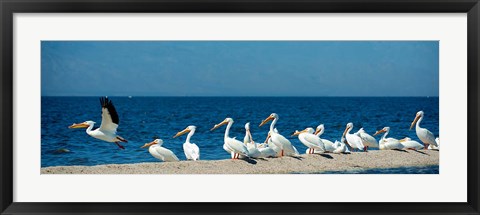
(315, 163)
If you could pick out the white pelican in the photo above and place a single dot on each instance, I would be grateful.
(310, 140)
(231, 145)
(367, 140)
(191, 150)
(268, 149)
(353, 139)
(437, 140)
(250, 144)
(327, 143)
(410, 144)
(339, 147)
(108, 129)
(388, 143)
(286, 147)
(253, 148)
(159, 152)
(423, 134)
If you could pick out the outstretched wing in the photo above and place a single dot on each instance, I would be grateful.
(109, 116)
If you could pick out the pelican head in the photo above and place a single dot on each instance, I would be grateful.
(156, 141)
(225, 121)
(319, 129)
(247, 126)
(385, 129)
(85, 124)
(417, 117)
(186, 130)
(306, 130)
(269, 118)
(349, 126)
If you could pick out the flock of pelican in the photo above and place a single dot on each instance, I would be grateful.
(275, 145)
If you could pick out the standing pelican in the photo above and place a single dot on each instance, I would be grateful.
(353, 140)
(156, 150)
(191, 150)
(388, 143)
(367, 140)
(231, 145)
(423, 134)
(327, 143)
(286, 147)
(310, 140)
(108, 129)
(250, 144)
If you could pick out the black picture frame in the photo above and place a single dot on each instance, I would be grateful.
(9, 7)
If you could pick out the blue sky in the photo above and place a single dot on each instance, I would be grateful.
(239, 68)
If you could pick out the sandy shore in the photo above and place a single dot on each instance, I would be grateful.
(301, 164)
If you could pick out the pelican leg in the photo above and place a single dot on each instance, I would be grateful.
(425, 146)
(120, 146)
(282, 153)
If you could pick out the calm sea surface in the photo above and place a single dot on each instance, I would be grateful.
(142, 118)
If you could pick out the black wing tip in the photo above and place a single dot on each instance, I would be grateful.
(106, 103)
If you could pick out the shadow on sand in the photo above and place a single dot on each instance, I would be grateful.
(249, 160)
(326, 156)
(421, 152)
(400, 150)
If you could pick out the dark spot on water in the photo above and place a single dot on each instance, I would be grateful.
(61, 151)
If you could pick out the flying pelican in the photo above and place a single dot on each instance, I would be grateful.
(423, 134)
(156, 150)
(276, 138)
(367, 140)
(388, 143)
(231, 145)
(191, 150)
(108, 129)
(352, 139)
(410, 144)
(310, 140)
(327, 143)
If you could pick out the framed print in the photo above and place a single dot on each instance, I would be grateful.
(239, 107)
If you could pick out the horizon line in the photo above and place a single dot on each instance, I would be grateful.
(227, 96)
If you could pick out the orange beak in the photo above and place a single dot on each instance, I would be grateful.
(345, 132)
(186, 130)
(269, 118)
(148, 144)
(218, 125)
(414, 121)
(79, 125)
(379, 132)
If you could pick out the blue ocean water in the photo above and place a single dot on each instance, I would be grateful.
(142, 118)
(434, 169)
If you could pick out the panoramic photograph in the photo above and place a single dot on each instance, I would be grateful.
(240, 107)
